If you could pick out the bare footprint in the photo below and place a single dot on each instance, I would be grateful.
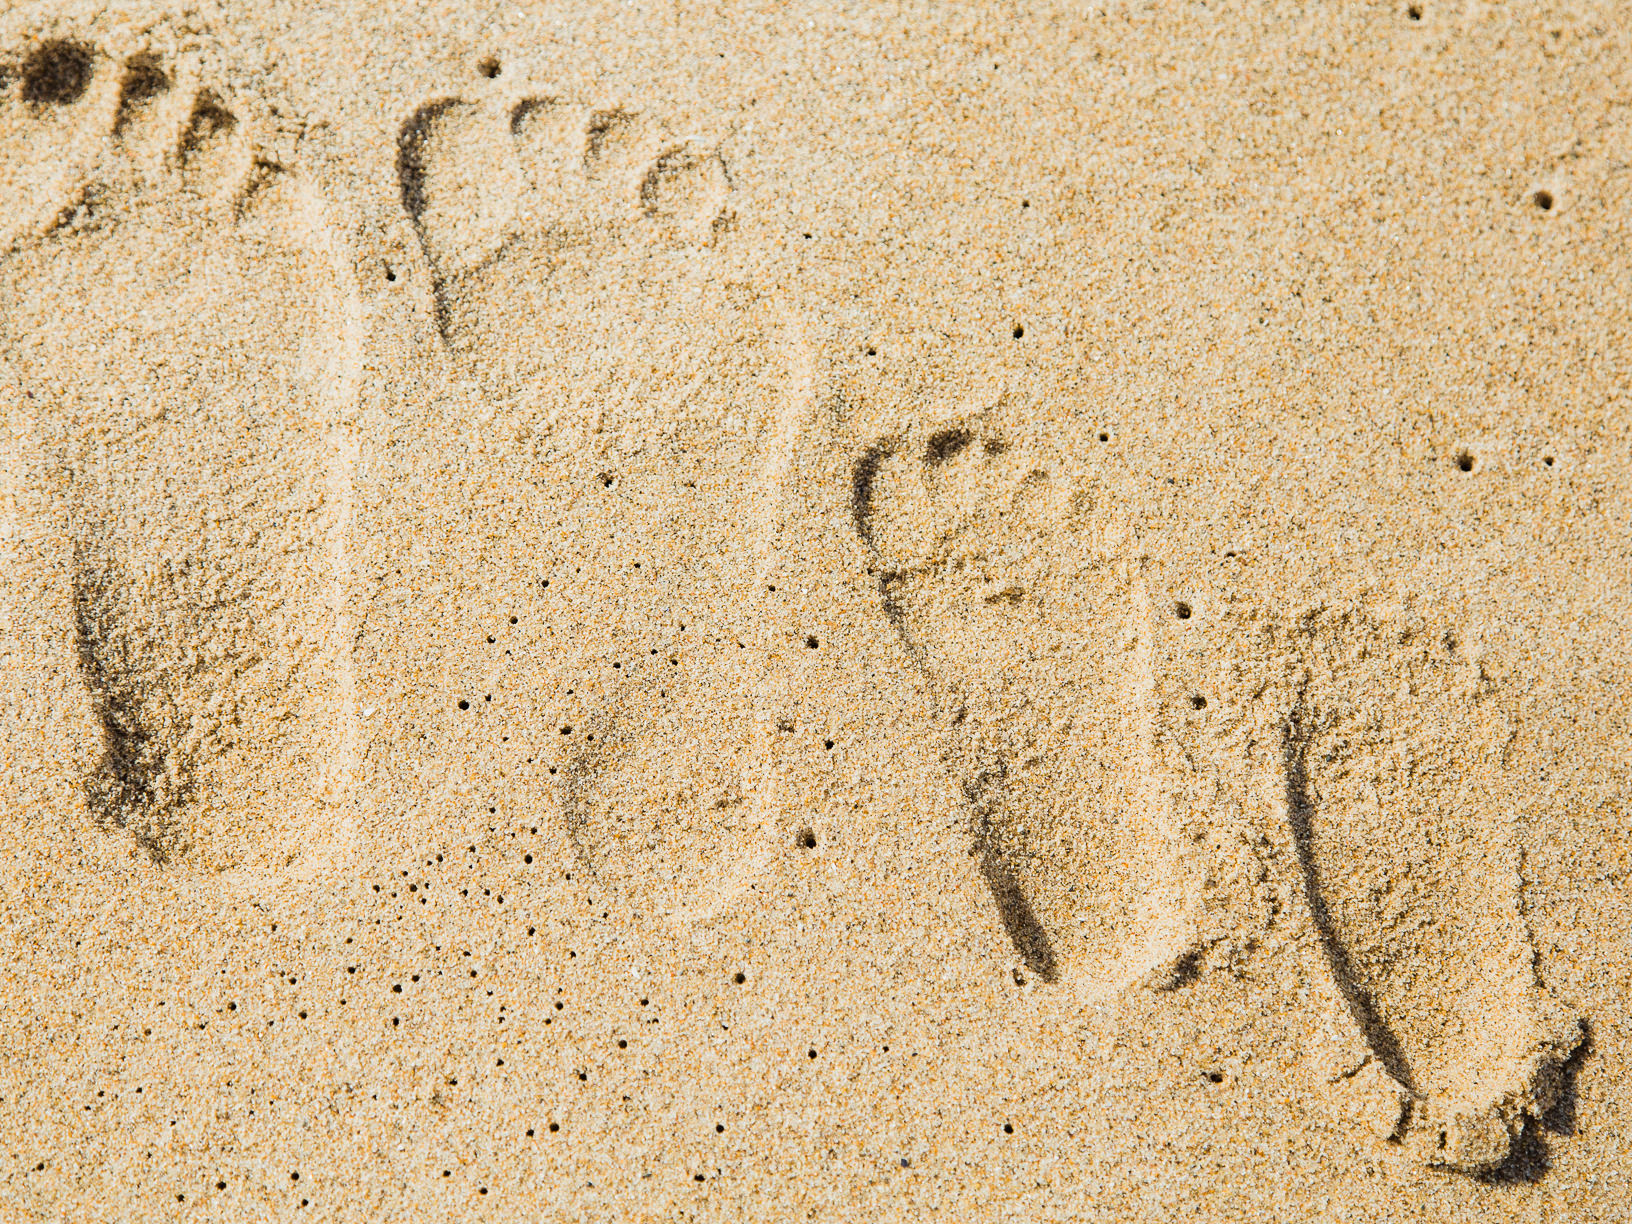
(176, 311)
(659, 806)
(507, 187)
(1038, 645)
(1401, 809)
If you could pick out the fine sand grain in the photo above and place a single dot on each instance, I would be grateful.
(801, 612)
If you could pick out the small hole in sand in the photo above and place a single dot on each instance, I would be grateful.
(1008, 1128)
(489, 67)
(1543, 200)
(739, 978)
(1215, 1077)
(811, 642)
(554, 1126)
(806, 838)
(719, 1128)
(1464, 461)
(1019, 331)
(1414, 12)
(464, 705)
(1548, 460)
(1198, 702)
(1182, 611)
(391, 275)
(1103, 436)
(828, 744)
(810, 1053)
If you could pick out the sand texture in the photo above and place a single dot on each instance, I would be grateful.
(794, 612)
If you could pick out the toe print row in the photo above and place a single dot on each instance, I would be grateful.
(85, 126)
(501, 192)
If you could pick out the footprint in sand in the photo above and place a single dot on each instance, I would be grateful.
(1401, 805)
(660, 806)
(1040, 649)
(508, 188)
(176, 315)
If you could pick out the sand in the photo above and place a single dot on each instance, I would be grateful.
(799, 612)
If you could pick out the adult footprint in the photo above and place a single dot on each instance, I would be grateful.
(1037, 646)
(176, 311)
(1401, 807)
(505, 189)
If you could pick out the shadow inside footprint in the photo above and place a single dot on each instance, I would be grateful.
(989, 571)
(57, 73)
(136, 785)
(1532, 1158)
(1299, 811)
(1399, 796)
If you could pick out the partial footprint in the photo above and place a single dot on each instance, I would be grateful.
(504, 189)
(1401, 808)
(658, 809)
(1038, 647)
(177, 310)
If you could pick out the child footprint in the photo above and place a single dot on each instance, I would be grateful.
(1037, 646)
(506, 186)
(177, 313)
(1400, 802)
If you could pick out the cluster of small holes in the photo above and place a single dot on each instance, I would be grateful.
(356, 986)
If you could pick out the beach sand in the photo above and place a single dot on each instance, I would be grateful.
(679, 611)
